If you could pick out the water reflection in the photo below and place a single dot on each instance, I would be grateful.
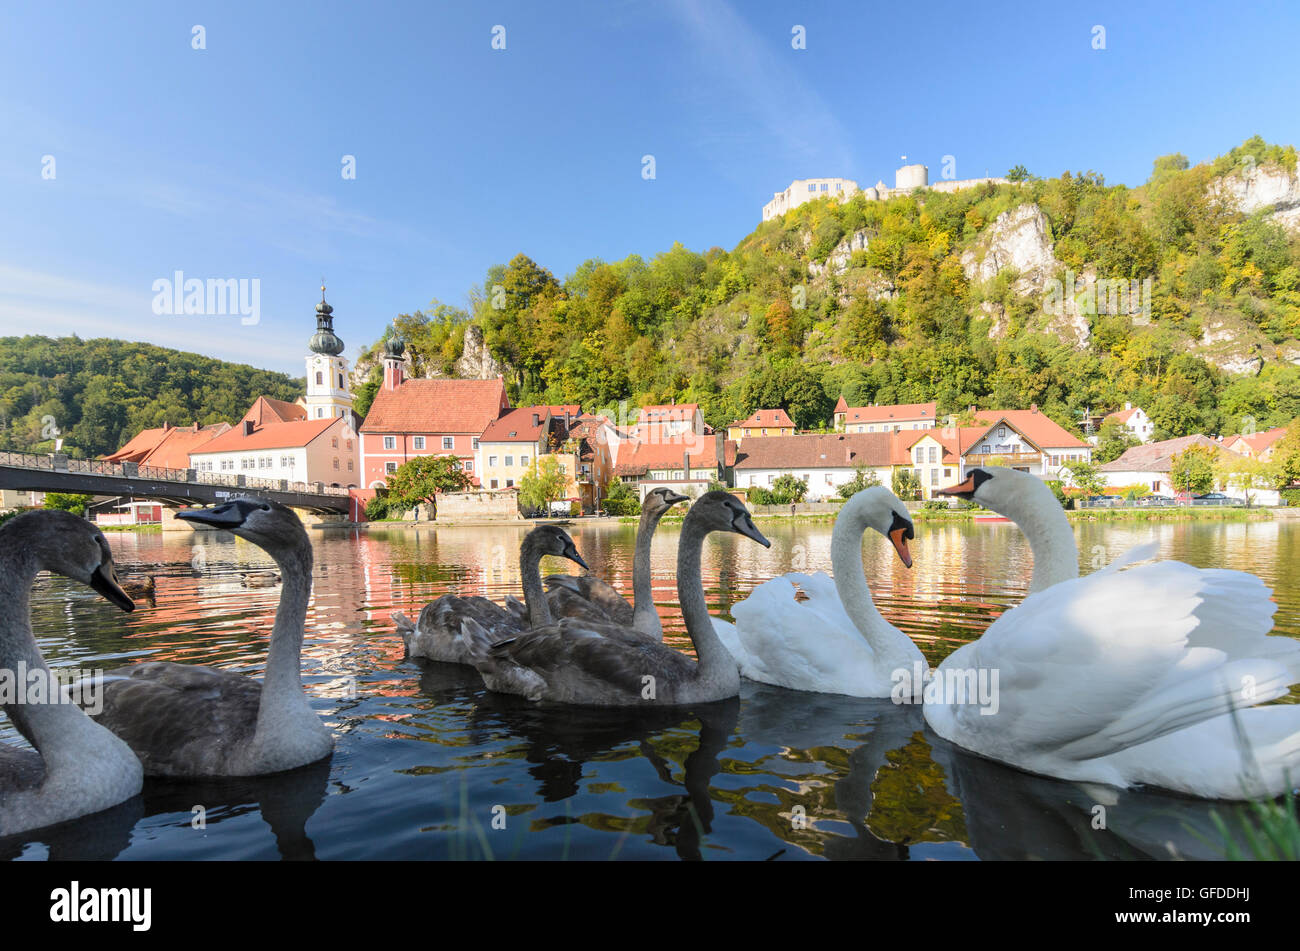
(427, 759)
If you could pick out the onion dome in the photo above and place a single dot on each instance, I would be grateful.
(324, 340)
(395, 346)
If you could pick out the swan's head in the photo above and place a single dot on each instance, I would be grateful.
(879, 508)
(660, 500)
(1002, 490)
(721, 511)
(67, 545)
(269, 525)
(553, 540)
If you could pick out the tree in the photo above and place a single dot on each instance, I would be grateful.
(68, 502)
(622, 500)
(906, 485)
(1112, 439)
(863, 478)
(1018, 174)
(1192, 470)
(1286, 456)
(1085, 476)
(422, 478)
(1245, 473)
(787, 489)
(543, 483)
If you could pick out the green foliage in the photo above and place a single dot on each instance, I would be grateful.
(1085, 476)
(1018, 173)
(787, 489)
(1192, 470)
(1059, 491)
(377, 509)
(542, 484)
(1112, 439)
(422, 478)
(99, 393)
(621, 500)
(863, 478)
(905, 485)
(68, 502)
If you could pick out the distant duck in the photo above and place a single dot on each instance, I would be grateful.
(139, 588)
(78, 767)
(436, 634)
(586, 663)
(576, 595)
(189, 721)
(259, 579)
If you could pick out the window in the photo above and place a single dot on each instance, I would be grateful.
(492, 460)
(839, 187)
(933, 456)
(934, 476)
(336, 462)
(349, 465)
(563, 469)
(947, 473)
(320, 412)
(347, 444)
(448, 442)
(812, 186)
(319, 378)
(510, 483)
(469, 465)
(334, 443)
(493, 484)
(390, 468)
(825, 187)
(390, 442)
(1002, 432)
(418, 442)
(771, 479)
(829, 480)
(523, 460)
(510, 460)
(340, 381)
(473, 444)
(920, 453)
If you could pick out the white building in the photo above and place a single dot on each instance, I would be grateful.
(1135, 420)
(825, 461)
(308, 450)
(328, 393)
(806, 189)
(906, 180)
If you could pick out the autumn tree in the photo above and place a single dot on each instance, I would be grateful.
(422, 478)
(543, 483)
(1192, 470)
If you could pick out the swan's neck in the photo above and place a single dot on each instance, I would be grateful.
(1056, 557)
(888, 644)
(643, 602)
(282, 694)
(56, 727)
(530, 561)
(715, 662)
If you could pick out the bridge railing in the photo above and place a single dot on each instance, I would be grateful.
(131, 470)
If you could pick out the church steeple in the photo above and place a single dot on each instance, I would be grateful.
(328, 393)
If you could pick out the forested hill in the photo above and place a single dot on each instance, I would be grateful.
(926, 296)
(99, 393)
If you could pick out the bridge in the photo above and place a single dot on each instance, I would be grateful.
(55, 472)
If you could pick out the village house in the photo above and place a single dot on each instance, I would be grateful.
(1255, 445)
(883, 419)
(1134, 420)
(760, 423)
(167, 447)
(510, 444)
(684, 465)
(411, 418)
(663, 423)
(305, 450)
(1150, 465)
(1023, 439)
(824, 460)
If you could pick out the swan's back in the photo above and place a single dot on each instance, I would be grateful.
(182, 720)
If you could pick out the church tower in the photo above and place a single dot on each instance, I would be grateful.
(328, 394)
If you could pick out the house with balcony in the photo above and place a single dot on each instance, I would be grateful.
(1024, 439)
(411, 418)
(761, 423)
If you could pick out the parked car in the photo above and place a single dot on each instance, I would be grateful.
(1156, 499)
(1214, 497)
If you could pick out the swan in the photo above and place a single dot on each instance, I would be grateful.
(605, 664)
(189, 721)
(1133, 675)
(571, 595)
(836, 641)
(435, 635)
(79, 767)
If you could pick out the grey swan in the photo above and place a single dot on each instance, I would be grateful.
(605, 664)
(576, 595)
(436, 633)
(79, 767)
(187, 721)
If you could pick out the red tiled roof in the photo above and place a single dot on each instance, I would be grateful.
(437, 406)
(886, 414)
(517, 426)
(776, 418)
(1123, 415)
(265, 410)
(636, 457)
(174, 450)
(1259, 442)
(139, 445)
(840, 405)
(292, 435)
(1156, 456)
(1042, 431)
(818, 450)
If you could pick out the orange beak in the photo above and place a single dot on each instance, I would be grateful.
(964, 490)
(900, 546)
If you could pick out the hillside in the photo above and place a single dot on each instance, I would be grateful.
(928, 296)
(98, 393)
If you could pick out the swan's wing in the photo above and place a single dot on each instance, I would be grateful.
(517, 609)
(181, 720)
(438, 628)
(1137, 553)
(1099, 663)
(591, 589)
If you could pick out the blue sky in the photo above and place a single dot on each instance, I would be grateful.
(226, 162)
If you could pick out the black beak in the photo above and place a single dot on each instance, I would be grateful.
(104, 580)
(672, 498)
(745, 526)
(228, 516)
(572, 555)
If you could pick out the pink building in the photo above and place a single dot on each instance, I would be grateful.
(411, 418)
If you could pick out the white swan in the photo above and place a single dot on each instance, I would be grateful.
(836, 641)
(435, 634)
(575, 595)
(189, 721)
(604, 664)
(79, 767)
(1146, 675)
